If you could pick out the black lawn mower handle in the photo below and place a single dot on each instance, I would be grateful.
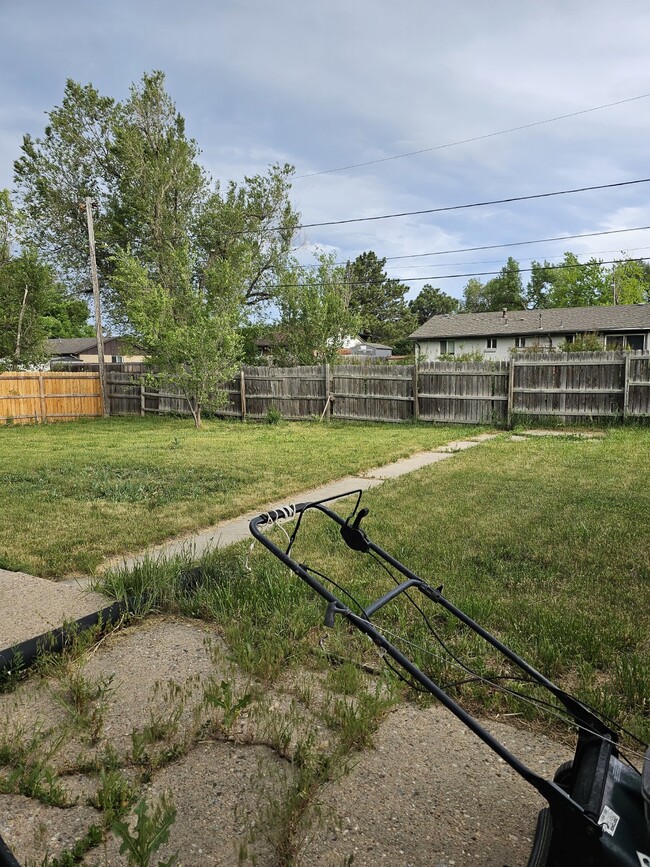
(356, 539)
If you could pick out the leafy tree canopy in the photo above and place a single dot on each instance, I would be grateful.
(505, 290)
(71, 161)
(33, 306)
(569, 284)
(245, 235)
(432, 301)
(191, 336)
(179, 260)
(316, 314)
(379, 302)
(151, 195)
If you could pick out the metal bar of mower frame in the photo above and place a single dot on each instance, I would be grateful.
(552, 792)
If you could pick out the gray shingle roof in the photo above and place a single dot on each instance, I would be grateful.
(558, 320)
(69, 345)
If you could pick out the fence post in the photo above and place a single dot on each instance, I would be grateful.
(328, 403)
(511, 390)
(416, 397)
(142, 398)
(242, 393)
(41, 394)
(626, 387)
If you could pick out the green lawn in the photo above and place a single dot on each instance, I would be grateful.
(545, 542)
(72, 494)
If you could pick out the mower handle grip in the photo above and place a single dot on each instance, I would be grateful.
(281, 513)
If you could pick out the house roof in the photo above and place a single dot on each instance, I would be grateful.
(370, 345)
(113, 344)
(69, 345)
(558, 320)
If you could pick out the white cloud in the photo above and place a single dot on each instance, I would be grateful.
(326, 85)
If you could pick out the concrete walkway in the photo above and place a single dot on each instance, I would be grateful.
(236, 529)
(30, 606)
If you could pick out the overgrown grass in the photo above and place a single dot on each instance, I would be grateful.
(73, 494)
(544, 542)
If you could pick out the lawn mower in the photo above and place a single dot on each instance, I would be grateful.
(598, 812)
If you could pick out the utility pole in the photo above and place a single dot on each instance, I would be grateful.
(88, 205)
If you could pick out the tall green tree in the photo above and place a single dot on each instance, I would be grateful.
(474, 298)
(191, 335)
(33, 306)
(504, 290)
(56, 172)
(542, 276)
(379, 301)
(178, 262)
(576, 284)
(627, 282)
(159, 185)
(315, 312)
(24, 283)
(245, 235)
(432, 301)
(64, 315)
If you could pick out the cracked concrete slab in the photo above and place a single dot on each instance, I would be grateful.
(31, 606)
(408, 465)
(459, 446)
(565, 433)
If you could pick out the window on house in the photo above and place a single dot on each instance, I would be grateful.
(624, 341)
(520, 342)
(491, 343)
(447, 347)
(117, 359)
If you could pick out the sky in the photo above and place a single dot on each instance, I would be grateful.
(338, 83)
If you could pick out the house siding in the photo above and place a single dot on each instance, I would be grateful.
(429, 350)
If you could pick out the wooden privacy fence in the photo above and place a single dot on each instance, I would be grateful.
(564, 386)
(584, 385)
(471, 393)
(48, 396)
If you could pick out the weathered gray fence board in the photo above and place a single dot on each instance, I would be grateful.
(563, 386)
(382, 392)
(470, 393)
(639, 387)
(570, 385)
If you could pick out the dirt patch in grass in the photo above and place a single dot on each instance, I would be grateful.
(427, 791)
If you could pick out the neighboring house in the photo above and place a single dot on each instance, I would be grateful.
(362, 349)
(496, 335)
(83, 350)
(353, 347)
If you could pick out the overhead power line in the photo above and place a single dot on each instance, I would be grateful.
(473, 138)
(474, 204)
(516, 243)
(475, 262)
(453, 276)
(509, 244)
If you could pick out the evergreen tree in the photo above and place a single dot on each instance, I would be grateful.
(432, 301)
(379, 302)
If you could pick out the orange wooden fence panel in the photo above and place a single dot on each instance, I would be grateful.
(48, 396)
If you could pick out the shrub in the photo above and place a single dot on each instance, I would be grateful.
(583, 343)
(273, 415)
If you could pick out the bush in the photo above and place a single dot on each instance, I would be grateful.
(273, 415)
(462, 357)
(583, 343)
